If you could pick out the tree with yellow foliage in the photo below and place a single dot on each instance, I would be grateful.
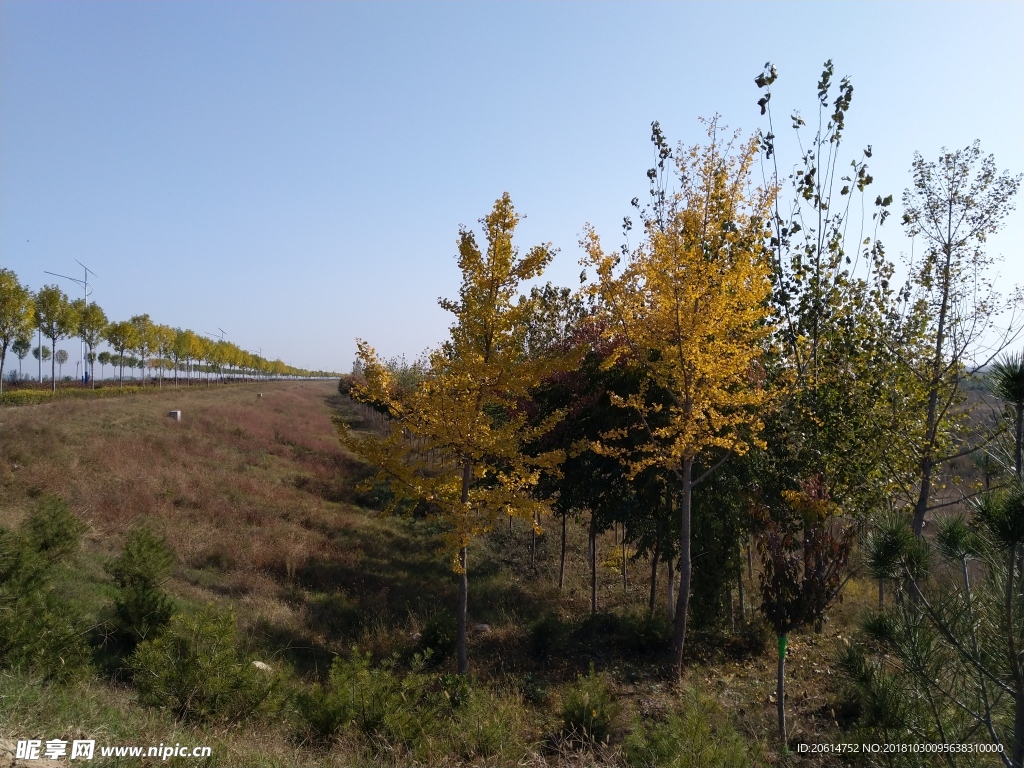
(688, 307)
(453, 442)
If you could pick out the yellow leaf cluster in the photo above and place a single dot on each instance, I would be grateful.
(689, 305)
(454, 441)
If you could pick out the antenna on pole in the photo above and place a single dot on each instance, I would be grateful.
(87, 292)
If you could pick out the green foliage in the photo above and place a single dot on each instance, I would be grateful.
(439, 636)
(694, 734)
(141, 607)
(941, 660)
(384, 708)
(39, 630)
(37, 396)
(196, 669)
(546, 634)
(417, 713)
(534, 690)
(589, 709)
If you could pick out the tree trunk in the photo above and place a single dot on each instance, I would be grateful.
(463, 609)
(742, 596)
(561, 562)
(881, 594)
(654, 573)
(931, 426)
(625, 582)
(53, 365)
(671, 590)
(685, 568)
(1018, 455)
(533, 542)
(1015, 666)
(593, 563)
(780, 691)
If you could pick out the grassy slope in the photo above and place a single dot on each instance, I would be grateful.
(256, 497)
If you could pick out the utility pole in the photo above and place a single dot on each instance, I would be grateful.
(87, 292)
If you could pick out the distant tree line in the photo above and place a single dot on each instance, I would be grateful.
(135, 343)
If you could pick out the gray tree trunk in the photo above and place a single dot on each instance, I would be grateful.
(463, 609)
(685, 568)
(593, 563)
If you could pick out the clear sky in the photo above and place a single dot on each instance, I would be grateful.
(296, 172)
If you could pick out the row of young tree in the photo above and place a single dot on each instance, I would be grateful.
(751, 367)
(137, 342)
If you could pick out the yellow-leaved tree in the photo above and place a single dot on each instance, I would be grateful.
(688, 307)
(452, 442)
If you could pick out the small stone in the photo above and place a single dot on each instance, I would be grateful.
(263, 666)
(482, 629)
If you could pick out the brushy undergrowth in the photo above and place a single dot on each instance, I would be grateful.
(197, 670)
(380, 710)
(694, 733)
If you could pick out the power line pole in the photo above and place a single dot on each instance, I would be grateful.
(87, 291)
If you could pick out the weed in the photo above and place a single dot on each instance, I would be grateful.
(489, 726)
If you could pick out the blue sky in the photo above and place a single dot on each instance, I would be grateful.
(296, 172)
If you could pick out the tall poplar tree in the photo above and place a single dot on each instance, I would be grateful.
(453, 441)
(92, 322)
(954, 204)
(122, 337)
(16, 315)
(57, 318)
(688, 307)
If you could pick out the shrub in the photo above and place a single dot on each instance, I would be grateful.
(39, 629)
(141, 607)
(417, 713)
(439, 636)
(385, 709)
(37, 396)
(196, 670)
(589, 710)
(642, 633)
(694, 734)
(534, 690)
(547, 633)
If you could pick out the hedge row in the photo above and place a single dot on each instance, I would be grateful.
(37, 396)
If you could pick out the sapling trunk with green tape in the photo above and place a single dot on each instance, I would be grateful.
(804, 553)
